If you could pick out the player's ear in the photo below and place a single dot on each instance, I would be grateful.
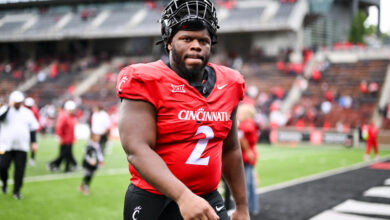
(169, 46)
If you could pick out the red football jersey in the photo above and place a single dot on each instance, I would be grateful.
(250, 133)
(190, 127)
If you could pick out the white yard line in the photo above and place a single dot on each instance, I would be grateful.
(379, 191)
(107, 172)
(78, 174)
(328, 214)
(317, 176)
(368, 208)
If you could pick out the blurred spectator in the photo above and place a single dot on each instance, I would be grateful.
(17, 74)
(326, 107)
(345, 101)
(339, 126)
(30, 104)
(307, 55)
(324, 66)
(248, 135)
(65, 130)
(237, 63)
(278, 92)
(17, 136)
(41, 76)
(262, 99)
(373, 88)
(326, 125)
(100, 126)
(295, 69)
(302, 84)
(277, 118)
(53, 70)
(316, 75)
(8, 68)
(328, 95)
(93, 157)
(363, 86)
(280, 66)
(372, 134)
(300, 124)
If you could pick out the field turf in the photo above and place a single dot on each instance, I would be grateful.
(55, 195)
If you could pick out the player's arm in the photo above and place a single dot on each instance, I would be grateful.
(233, 170)
(137, 130)
(60, 126)
(245, 147)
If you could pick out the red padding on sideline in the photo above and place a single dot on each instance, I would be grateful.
(381, 166)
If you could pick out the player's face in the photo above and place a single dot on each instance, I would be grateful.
(189, 52)
(17, 105)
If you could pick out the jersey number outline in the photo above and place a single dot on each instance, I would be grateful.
(195, 158)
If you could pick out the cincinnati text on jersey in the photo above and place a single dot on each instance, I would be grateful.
(203, 115)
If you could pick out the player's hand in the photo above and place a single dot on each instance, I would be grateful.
(240, 214)
(250, 155)
(34, 147)
(194, 207)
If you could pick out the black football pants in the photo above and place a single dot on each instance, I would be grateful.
(143, 205)
(65, 154)
(19, 158)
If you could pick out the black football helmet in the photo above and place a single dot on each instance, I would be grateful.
(200, 13)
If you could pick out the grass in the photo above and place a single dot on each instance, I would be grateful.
(55, 196)
(278, 164)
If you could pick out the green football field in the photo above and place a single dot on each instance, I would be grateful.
(55, 195)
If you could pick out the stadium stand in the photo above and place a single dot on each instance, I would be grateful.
(266, 77)
(284, 12)
(78, 23)
(343, 80)
(45, 23)
(238, 17)
(119, 17)
(272, 29)
(11, 27)
(150, 23)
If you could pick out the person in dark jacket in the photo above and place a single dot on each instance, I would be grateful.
(93, 157)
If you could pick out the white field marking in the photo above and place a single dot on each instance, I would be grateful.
(387, 182)
(368, 208)
(317, 176)
(379, 191)
(61, 176)
(329, 214)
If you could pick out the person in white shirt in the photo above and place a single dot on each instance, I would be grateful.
(100, 125)
(18, 134)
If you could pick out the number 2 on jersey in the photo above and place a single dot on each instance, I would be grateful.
(195, 158)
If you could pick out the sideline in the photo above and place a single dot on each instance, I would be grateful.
(318, 176)
(108, 172)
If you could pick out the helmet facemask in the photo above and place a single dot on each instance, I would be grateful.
(188, 15)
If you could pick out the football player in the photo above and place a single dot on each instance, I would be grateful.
(177, 123)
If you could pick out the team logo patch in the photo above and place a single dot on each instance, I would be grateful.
(178, 88)
(123, 81)
(136, 212)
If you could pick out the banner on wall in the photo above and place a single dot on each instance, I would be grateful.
(313, 136)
